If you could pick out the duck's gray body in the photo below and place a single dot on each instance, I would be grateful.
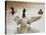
(25, 23)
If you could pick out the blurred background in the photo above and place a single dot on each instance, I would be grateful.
(32, 9)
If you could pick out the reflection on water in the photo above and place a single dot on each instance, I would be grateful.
(29, 30)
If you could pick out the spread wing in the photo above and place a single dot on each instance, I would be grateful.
(32, 19)
(17, 20)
